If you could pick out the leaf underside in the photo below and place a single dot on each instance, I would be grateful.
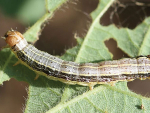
(45, 95)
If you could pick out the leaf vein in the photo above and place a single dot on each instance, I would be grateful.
(94, 105)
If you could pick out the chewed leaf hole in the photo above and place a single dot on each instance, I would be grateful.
(112, 46)
(140, 87)
(126, 14)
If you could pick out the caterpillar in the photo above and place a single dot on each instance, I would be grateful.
(86, 74)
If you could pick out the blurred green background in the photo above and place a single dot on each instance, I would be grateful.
(58, 35)
(25, 11)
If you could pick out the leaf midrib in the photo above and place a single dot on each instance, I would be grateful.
(91, 29)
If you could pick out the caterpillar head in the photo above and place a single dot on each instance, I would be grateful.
(13, 37)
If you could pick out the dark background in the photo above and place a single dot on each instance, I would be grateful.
(58, 35)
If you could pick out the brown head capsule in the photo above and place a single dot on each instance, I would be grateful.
(15, 40)
(13, 37)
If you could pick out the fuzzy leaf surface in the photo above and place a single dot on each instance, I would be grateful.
(50, 96)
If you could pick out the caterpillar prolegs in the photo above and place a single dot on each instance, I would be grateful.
(86, 74)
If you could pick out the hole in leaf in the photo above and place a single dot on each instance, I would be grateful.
(126, 14)
(140, 87)
(71, 18)
(117, 52)
(137, 86)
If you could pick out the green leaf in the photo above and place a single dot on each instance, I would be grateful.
(50, 96)
(26, 11)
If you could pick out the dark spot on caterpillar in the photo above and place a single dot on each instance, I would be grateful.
(139, 56)
(148, 56)
(5, 35)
